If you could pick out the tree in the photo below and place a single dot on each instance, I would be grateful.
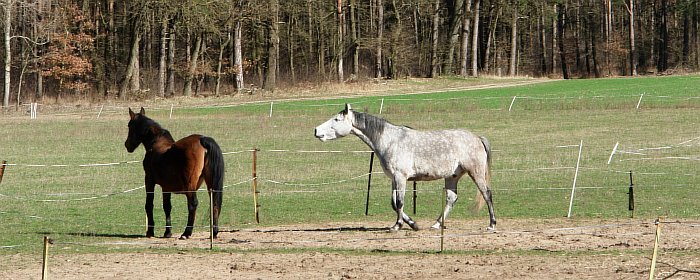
(513, 39)
(273, 41)
(435, 39)
(632, 51)
(67, 61)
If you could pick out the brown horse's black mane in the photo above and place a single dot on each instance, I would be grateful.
(152, 130)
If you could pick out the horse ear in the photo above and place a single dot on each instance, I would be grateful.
(131, 114)
(142, 112)
(347, 109)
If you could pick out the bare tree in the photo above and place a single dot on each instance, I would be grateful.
(513, 39)
(273, 42)
(435, 39)
(632, 51)
(475, 39)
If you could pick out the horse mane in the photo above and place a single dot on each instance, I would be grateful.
(162, 132)
(372, 126)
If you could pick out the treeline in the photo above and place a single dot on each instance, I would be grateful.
(132, 48)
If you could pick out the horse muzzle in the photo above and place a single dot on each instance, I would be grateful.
(130, 148)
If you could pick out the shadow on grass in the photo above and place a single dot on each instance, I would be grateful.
(333, 229)
(93, 234)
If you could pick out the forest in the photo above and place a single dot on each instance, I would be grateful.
(130, 49)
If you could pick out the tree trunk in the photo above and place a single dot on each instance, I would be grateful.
(109, 49)
(513, 39)
(493, 23)
(561, 20)
(131, 78)
(662, 64)
(455, 26)
(435, 39)
(192, 67)
(355, 46)
(632, 50)
(8, 52)
(463, 69)
(380, 34)
(170, 89)
(163, 57)
(238, 55)
(608, 35)
(272, 47)
(341, 43)
(219, 64)
(475, 40)
(290, 48)
(543, 41)
(395, 39)
(310, 42)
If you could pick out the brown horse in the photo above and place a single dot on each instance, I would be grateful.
(178, 167)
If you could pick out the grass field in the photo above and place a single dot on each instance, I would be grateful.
(655, 120)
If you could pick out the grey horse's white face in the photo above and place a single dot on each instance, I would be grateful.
(337, 127)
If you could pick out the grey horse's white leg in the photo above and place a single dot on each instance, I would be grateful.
(485, 190)
(397, 202)
(451, 189)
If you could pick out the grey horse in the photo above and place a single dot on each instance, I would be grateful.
(407, 154)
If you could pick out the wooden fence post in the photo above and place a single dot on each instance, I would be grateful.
(631, 197)
(652, 268)
(2, 169)
(369, 182)
(45, 259)
(255, 186)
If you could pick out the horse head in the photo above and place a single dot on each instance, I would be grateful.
(338, 126)
(137, 129)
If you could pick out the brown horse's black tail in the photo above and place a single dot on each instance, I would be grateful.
(215, 164)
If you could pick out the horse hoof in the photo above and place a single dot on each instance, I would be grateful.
(436, 226)
(184, 237)
(414, 226)
(491, 229)
(395, 228)
(167, 235)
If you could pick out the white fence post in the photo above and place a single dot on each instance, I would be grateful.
(573, 187)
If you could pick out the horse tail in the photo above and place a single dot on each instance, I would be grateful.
(216, 168)
(479, 199)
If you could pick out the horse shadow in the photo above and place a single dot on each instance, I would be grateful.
(331, 229)
(94, 234)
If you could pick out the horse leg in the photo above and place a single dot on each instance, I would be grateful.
(215, 198)
(192, 203)
(150, 188)
(483, 185)
(167, 207)
(451, 189)
(399, 193)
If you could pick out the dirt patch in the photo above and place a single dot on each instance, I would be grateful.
(521, 249)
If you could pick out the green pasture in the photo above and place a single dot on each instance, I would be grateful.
(535, 151)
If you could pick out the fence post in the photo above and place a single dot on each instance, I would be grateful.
(444, 220)
(255, 186)
(631, 196)
(652, 268)
(2, 169)
(511, 103)
(211, 219)
(369, 182)
(573, 187)
(414, 197)
(45, 259)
